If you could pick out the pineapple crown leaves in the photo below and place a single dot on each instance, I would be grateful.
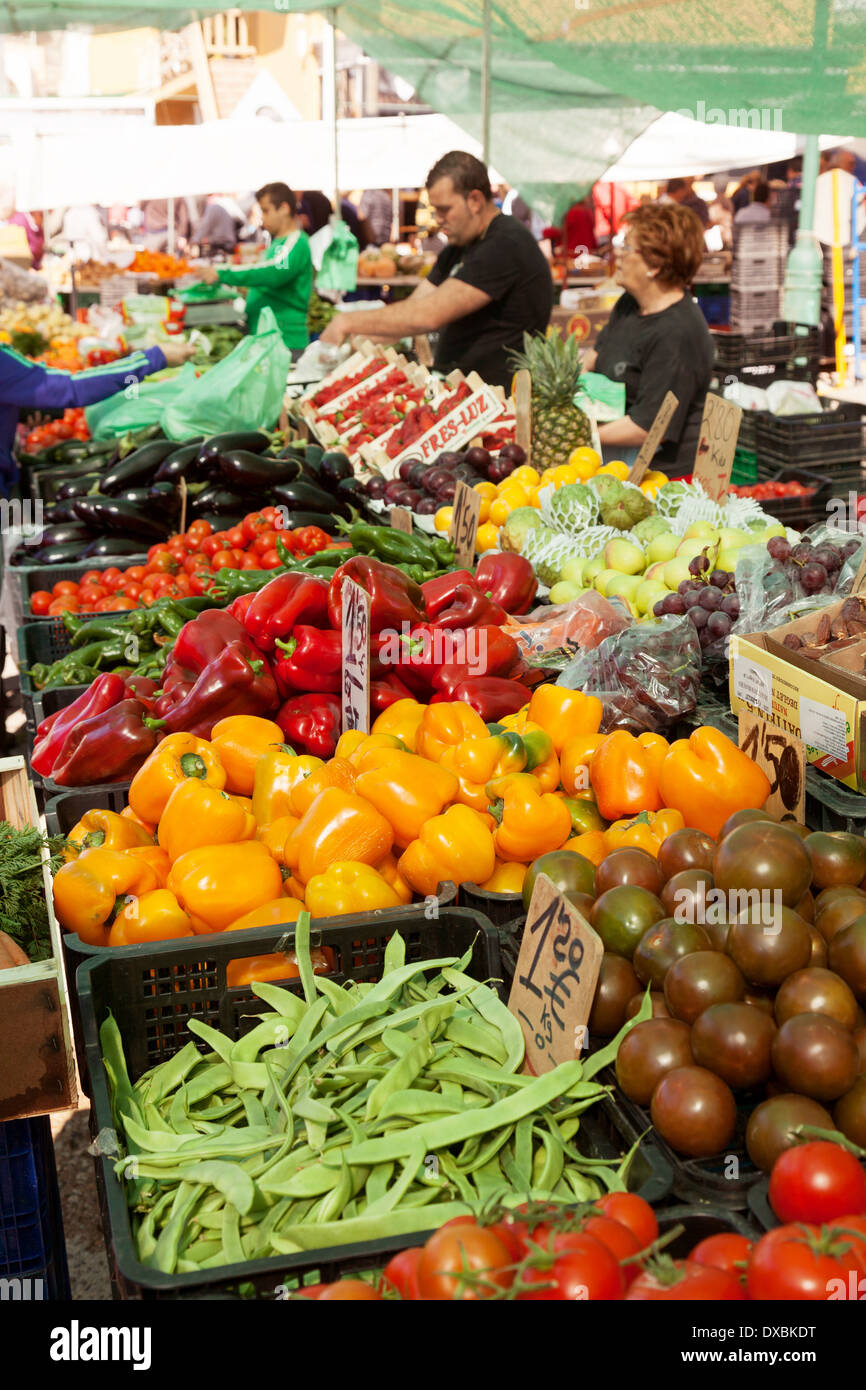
(554, 365)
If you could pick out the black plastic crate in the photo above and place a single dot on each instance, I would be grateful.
(759, 1205)
(32, 578)
(798, 512)
(785, 341)
(819, 441)
(65, 810)
(44, 642)
(499, 907)
(32, 1247)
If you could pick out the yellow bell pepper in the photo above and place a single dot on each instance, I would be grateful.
(646, 831)
(156, 858)
(591, 845)
(339, 825)
(87, 890)
(274, 836)
(455, 847)
(576, 762)
(445, 725)
(349, 742)
(530, 823)
(348, 886)
(216, 884)
(375, 751)
(271, 914)
(339, 772)
(516, 723)
(177, 758)
(584, 813)
(277, 774)
(104, 830)
(565, 713)
(403, 718)
(506, 878)
(408, 791)
(239, 742)
(197, 815)
(156, 916)
(128, 814)
(390, 871)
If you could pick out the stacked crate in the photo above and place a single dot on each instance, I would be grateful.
(757, 275)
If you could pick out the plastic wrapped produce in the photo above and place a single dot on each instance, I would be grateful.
(549, 635)
(646, 676)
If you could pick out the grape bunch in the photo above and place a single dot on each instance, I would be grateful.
(708, 599)
(813, 568)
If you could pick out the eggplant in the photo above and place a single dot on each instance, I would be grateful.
(254, 441)
(60, 512)
(305, 494)
(222, 501)
(72, 470)
(109, 514)
(179, 463)
(292, 451)
(335, 466)
(239, 468)
(163, 505)
(67, 530)
(137, 468)
(77, 487)
(60, 554)
(112, 545)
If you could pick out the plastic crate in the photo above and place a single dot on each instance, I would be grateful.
(784, 341)
(33, 577)
(745, 469)
(44, 642)
(797, 512)
(32, 1248)
(498, 907)
(65, 810)
(759, 1205)
(817, 441)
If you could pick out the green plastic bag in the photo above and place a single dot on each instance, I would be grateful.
(138, 404)
(205, 294)
(340, 261)
(606, 397)
(242, 392)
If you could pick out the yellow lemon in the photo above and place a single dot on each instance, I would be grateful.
(484, 510)
(486, 537)
(546, 477)
(499, 511)
(487, 490)
(442, 519)
(514, 494)
(586, 461)
(526, 475)
(617, 468)
(564, 474)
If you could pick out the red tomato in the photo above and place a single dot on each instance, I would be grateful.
(200, 583)
(40, 601)
(253, 524)
(401, 1273)
(136, 573)
(265, 540)
(224, 560)
(855, 1228)
(817, 1181)
(270, 560)
(91, 577)
(132, 590)
(271, 514)
(146, 597)
(211, 544)
(181, 583)
(236, 538)
(311, 539)
(583, 1270)
(671, 1281)
(121, 604)
(457, 1249)
(199, 530)
(619, 1240)
(631, 1211)
(111, 577)
(727, 1251)
(163, 563)
(64, 604)
(808, 1263)
(250, 562)
(350, 1290)
(193, 563)
(238, 553)
(64, 586)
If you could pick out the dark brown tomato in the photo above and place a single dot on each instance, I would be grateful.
(717, 930)
(686, 849)
(755, 1000)
(816, 1055)
(617, 983)
(567, 871)
(763, 856)
(582, 901)
(849, 1113)
(629, 866)
(837, 858)
(773, 1125)
(696, 981)
(805, 908)
(695, 1111)
(648, 1052)
(839, 914)
(622, 915)
(816, 991)
(847, 956)
(767, 952)
(802, 831)
(859, 1036)
(734, 1041)
(820, 949)
(657, 999)
(664, 943)
(830, 895)
(685, 895)
(746, 817)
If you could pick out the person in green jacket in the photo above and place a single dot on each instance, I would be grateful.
(283, 278)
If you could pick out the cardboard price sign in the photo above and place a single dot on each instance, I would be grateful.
(401, 520)
(464, 525)
(523, 412)
(783, 758)
(720, 425)
(655, 435)
(554, 983)
(356, 657)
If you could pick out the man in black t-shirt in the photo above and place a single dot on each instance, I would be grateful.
(489, 286)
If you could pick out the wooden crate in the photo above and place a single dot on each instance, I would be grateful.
(37, 1070)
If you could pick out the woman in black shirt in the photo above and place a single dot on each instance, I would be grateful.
(657, 339)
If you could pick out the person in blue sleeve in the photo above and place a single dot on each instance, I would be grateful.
(25, 384)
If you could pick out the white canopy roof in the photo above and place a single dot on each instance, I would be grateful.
(676, 144)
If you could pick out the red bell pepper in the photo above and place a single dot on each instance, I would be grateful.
(201, 639)
(490, 696)
(284, 602)
(496, 654)
(387, 692)
(238, 681)
(394, 598)
(439, 592)
(509, 579)
(107, 747)
(312, 723)
(470, 608)
(240, 606)
(105, 692)
(311, 660)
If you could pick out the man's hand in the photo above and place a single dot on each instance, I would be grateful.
(176, 353)
(207, 273)
(337, 331)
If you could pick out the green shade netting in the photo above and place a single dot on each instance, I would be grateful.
(575, 81)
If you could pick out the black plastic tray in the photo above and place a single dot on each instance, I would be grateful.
(499, 907)
(817, 441)
(33, 577)
(44, 641)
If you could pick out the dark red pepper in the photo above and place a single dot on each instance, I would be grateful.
(311, 660)
(490, 696)
(240, 607)
(394, 597)
(107, 747)
(282, 604)
(238, 681)
(105, 692)
(200, 640)
(439, 592)
(387, 692)
(489, 652)
(509, 579)
(312, 723)
(470, 608)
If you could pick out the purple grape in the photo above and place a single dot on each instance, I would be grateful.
(718, 625)
(731, 605)
(829, 557)
(850, 548)
(813, 578)
(699, 564)
(779, 548)
(699, 616)
(720, 578)
(710, 599)
(684, 587)
(692, 601)
(659, 609)
(802, 553)
(675, 603)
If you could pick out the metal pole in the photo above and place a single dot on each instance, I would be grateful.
(329, 97)
(485, 83)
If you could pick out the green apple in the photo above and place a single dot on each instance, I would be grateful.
(564, 592)
(624, 586)
(603, 579)
(592, 570)
(676, 571)
(648, 594)
(625, 556)
(657, 571)
(573, 570)
(663, 547)
(701, 531)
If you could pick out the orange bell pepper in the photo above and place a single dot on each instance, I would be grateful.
(274, 836)
(576, 762)
(339, 772)
(408, 791)
(128, 814)
(339, 825)
(239, 742)
(178, 757)
(281, 965)
(590, 844)
(216, 884)
(530, 821)
(198, 815)
(104, 830)
(707, 778)
(277, 774)
(390, 871)
(347, 887)
(87, 890)
(625, 774)
(455, 847)
(293, 888)
(477, 761)
(647, 831)
(156, 916)
(445, 725)
(564, 714)
(506, 878)
(403, 718)
(156, 858)
(271, 914)
(375, 750)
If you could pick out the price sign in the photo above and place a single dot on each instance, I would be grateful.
(464, 524)
(720, 425)
(523, 412)
(554, 983)
(401, 520)
(783, 758)
(655, 435)
(356, 657)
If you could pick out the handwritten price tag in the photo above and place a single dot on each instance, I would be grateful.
(655, 435)
(554, 983)
(356, 657)
(464, 525)
(523, 412)
(783, 758)
(720, 425)
(401, 520)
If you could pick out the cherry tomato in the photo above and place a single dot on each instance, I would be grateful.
(250, 562)
(136, 573)
(817, 1181)
(811, 1263)
(199, 530)
(350, 1290)
(631, 1211)
(66, 603)
(727, 1250)
(401, 1273)
(457, 1249)
(64, 586)
(224, 560)
(670, 1281)
(580, 1269)
(236, 538)
(270, 560)
(40, 601)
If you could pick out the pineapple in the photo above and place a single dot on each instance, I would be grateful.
(558, 425)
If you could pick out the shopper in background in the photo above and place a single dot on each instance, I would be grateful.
(86, 230)
(218, 229)
(377, 210)
(682, 191)
(156, 223)
(742, 194)
(30, 222)
(757, 212)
